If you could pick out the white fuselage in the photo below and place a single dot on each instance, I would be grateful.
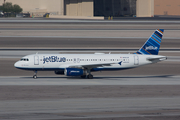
(52, 62)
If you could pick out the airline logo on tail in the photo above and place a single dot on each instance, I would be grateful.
(151, 48)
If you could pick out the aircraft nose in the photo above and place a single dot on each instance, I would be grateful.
(16, 65)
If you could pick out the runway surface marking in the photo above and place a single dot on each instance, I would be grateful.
(98, 80)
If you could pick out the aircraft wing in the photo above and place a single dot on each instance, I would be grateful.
(93, 65)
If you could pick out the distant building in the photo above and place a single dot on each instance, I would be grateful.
(116, 8)
(167, 7)
(91, 8)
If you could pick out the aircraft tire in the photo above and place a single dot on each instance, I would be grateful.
(34, 76)
(83, 76)
(90, 76)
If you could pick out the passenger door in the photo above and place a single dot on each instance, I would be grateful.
(36, 60)
(136, 60)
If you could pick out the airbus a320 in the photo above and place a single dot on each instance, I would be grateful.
(84, 64)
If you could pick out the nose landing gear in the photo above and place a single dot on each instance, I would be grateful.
(35, 75)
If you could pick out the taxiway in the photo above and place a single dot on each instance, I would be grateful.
(147, 92)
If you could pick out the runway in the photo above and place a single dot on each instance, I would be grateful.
(87, 33)
(81, 43)
(147, 92)
(145, 97)
(85, 102)
(103, 108)
(98, 80)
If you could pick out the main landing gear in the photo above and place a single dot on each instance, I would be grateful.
(89, 76)
(35, 75)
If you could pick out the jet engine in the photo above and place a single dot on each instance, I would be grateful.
(74, 72)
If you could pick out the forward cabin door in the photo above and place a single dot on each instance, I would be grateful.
(36, 60)
(136, 60)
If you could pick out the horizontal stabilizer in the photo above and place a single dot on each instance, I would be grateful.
(157, 59)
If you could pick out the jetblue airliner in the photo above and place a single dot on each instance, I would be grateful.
(83, 64)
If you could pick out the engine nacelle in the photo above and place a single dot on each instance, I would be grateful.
(59, 72)
(73, 72)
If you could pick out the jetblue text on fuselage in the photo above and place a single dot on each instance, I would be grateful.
(53, 59)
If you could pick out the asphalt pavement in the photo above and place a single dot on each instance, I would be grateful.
(147, 92)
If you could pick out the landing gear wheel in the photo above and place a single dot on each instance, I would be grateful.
(35, 76)
(90, 76)
(83, 76)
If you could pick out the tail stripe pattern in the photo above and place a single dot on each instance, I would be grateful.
(161, 30)
(152, 45)
(156, 37)
(155, 40)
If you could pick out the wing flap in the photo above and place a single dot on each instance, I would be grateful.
(91, 65)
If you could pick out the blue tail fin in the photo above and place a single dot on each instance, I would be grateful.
(152, 45)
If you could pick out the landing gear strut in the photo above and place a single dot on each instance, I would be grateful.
(89, 76)
(35, 75)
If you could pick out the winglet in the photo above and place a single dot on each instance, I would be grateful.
(152, 45)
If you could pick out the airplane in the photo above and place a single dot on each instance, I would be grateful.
(83, 64)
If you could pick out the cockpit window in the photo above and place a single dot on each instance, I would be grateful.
(24, 59)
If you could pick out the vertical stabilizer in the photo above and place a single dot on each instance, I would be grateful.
(152, 45)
